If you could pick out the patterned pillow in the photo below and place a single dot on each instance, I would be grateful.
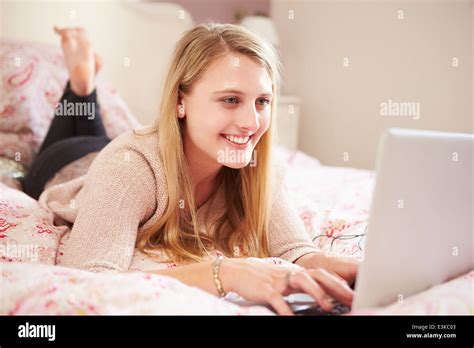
(33, 78)
(11, 172)
(27, 233)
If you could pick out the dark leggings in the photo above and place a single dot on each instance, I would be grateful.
(75, 131)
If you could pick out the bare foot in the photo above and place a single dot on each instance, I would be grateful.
(81, 61)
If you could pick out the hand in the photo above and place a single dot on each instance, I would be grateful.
(343, 267)
(265, 283)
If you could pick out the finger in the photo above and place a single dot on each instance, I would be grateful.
(333, 286)
(57, 30)
(350, 271)
(304, 282)
(350, 281)
(278, 303)
(339, 277)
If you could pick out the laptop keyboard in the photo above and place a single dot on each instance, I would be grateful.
(313, 308)
(338, 309)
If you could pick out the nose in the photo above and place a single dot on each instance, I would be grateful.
(248, 120)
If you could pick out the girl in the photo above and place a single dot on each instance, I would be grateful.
(197, 187)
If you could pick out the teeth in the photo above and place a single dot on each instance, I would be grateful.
(237, 140)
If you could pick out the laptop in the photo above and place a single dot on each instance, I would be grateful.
(420, 230)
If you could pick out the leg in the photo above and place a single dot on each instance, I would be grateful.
(74, 130)
(83, 65)
(60, 127)
(55, 157)
(91, 124)
(65, 126)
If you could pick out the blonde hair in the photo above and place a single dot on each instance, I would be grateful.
(244, 223)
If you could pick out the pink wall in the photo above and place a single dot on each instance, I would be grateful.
(222, 10)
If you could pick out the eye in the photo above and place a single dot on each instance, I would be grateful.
(263, 101)
(231, 100)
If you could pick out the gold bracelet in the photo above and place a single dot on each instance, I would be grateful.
(217, 280)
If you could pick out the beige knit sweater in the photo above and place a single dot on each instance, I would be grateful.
(124, 191)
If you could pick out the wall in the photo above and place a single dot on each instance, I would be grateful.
(221, 10)
(407, 59)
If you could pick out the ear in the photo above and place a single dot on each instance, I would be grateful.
(180, 106)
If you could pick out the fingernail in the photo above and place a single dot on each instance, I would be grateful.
(328, 302)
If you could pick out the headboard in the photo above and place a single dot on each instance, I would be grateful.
(135, 39)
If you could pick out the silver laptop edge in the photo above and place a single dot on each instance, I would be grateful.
(420, 230)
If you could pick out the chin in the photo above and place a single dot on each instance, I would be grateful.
(236, 165)
(231, 158)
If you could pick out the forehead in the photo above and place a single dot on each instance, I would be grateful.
(236, 71)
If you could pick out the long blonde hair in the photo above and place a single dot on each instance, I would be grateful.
(244, 222)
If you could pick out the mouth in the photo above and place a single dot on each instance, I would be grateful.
(240, 142)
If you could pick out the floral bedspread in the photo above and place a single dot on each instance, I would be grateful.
(333, 203)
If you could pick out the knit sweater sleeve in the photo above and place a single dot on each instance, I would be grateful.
(287, 237)
(118, 195)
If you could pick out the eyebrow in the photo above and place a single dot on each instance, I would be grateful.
(235, 91)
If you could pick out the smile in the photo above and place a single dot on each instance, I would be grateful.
(237, 140)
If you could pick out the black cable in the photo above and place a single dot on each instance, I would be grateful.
(342, 237)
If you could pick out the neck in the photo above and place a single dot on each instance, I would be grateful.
(203, 171)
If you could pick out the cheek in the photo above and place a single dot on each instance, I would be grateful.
(264, 123)
(204, 124)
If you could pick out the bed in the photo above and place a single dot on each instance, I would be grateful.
(333, 203)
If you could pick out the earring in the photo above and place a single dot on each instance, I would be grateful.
(181, 110)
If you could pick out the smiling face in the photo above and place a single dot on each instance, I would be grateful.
(227, 112)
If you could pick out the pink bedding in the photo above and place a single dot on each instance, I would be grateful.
(333, 202)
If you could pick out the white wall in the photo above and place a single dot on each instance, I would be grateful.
(405, 60)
